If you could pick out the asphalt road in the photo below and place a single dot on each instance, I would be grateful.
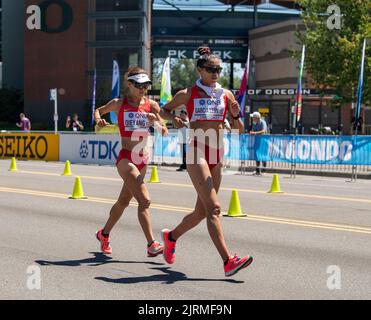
(318, 228)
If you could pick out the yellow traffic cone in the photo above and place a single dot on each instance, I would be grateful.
(154, 176)
(78, 192)
(234, 209)
(13, 165)
(67, 169)
(275, 187)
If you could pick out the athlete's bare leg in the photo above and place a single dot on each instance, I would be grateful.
(203, 183)
(134, 181)
(118, 209)
(199, 213)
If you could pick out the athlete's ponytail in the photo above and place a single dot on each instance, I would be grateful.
(205, 56)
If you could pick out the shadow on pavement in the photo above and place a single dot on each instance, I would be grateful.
(168, 277)
(98, 259)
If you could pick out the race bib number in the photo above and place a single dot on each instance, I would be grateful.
(208, 109)
(135, 121)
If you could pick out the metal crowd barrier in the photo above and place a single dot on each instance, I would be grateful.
(246, 166)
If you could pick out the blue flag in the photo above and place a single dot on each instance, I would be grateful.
(115, 88)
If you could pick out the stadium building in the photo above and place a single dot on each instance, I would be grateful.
(59, 43)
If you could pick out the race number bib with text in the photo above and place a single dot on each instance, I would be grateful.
(208, 109)
(136, 121)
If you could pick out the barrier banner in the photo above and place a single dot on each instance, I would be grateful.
(337, 150)
(29, 146)
(349, 150)
(90, 148)
(167, 146)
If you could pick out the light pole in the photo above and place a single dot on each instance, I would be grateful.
(53, 96)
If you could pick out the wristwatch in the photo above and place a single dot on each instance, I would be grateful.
(236, 118)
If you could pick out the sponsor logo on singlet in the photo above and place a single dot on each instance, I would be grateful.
(134, 121)
(208, 109)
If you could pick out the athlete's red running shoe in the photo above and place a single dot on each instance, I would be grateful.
(155, 249)
(169, 246)
(235, 264)
(104, 242)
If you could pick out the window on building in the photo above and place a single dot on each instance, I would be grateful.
(105, 29)
(118, 29)
(125, 57)
(118, 5)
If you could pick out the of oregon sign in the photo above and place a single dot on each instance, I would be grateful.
(37, 14)
(29, 146)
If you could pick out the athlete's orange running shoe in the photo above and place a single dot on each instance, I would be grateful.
(169, 246)
(235, 264)
(104, 242)
(155, 249)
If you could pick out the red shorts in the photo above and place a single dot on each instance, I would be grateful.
(138, 159)
(213, 156)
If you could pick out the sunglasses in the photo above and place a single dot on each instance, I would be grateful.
(213, 69)
(144, 86)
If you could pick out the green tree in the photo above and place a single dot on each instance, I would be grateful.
(225, 75)
(184, 74)
(333, 56)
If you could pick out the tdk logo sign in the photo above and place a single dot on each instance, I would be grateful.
(101, 150)
(36, 16)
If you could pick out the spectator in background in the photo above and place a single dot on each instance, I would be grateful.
(258, 127)
(25, 123)
(75, 125)
(182, 136)
(357, 126)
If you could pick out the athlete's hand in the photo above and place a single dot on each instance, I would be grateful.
(178, 122)
(102, 123)
(161, 128)
(234, 109)
(151, 117)
(164, 130)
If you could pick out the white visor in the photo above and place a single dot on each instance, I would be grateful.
(140, 78)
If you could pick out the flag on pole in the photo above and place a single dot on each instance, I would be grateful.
(242, 93)
(115, 87)
(360, 87)
(94, 95)
(165, 95)
(299, 93)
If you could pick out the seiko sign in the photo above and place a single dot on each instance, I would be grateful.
(36, 16)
